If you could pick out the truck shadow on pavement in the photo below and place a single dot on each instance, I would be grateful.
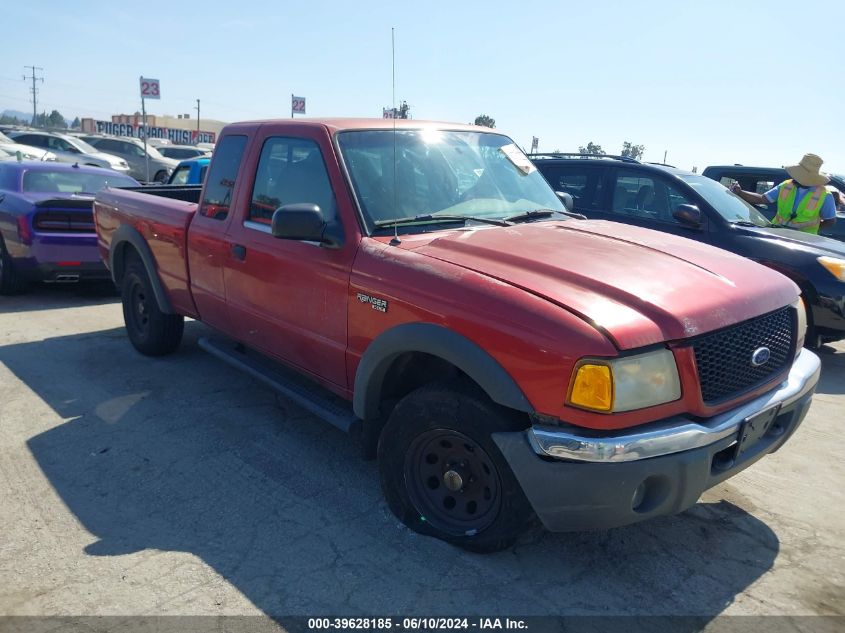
(185, 454)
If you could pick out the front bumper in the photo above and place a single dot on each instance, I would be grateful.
(582, 482)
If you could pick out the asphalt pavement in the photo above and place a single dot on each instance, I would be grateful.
(133, 486)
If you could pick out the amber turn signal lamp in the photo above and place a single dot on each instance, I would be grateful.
(592, 388)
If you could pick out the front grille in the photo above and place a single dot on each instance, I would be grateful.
(63, 222)
(723, 358)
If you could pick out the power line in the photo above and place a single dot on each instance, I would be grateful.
(34, 90)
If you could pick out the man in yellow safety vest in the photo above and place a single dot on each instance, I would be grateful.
(803, 202)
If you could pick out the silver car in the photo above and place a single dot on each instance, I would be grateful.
(132, 151)
(70, 149)
(27, 152)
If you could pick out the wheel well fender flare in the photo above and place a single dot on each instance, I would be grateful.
(438, 341)
(128, 236)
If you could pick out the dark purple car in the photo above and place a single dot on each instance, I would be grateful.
(46, 223)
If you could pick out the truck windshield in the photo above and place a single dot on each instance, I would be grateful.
(72, 182)
(724, 201)
(410, 173)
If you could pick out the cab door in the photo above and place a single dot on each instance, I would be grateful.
(288, 298)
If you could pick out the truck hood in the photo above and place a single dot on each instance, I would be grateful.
(638, 286)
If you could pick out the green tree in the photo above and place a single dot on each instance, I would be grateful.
(76, 123)
(632, 151)
(592, 148)
(484, 120)
(56, 119)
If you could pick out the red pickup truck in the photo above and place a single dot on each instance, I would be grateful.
(420, 286)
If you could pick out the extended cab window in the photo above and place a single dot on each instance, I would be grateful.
(222, 176)
(581, 182)
(640, 195)
(290, 170)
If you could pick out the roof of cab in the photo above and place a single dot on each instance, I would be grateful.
(342, 124)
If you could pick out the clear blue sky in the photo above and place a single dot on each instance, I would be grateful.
(711, 82)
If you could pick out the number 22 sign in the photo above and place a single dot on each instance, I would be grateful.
(150, 88)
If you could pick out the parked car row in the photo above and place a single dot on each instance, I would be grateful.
(155, 163)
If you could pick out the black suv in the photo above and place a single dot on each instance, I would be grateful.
(761, 179)
(667, 199)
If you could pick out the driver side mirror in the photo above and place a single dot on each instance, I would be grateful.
(688, 215)
(566, 199)
(305, 221)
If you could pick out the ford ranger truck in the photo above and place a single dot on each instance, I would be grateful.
(420, 286)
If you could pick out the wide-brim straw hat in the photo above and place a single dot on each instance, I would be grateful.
(807, 172)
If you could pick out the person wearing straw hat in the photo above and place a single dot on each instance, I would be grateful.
(803, 202)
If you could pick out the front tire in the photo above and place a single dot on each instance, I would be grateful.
(443, 475)
(151, 331)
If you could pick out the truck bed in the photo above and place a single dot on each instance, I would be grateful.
(161, 216)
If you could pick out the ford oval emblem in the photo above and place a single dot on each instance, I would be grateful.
(760, 356)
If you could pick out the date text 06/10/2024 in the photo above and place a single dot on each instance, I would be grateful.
(415, 624)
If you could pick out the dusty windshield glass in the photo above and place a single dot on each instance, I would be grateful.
(437, 172)
(724, 201)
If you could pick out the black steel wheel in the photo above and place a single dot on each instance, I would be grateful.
(452, 482)
(443, 475)
(151, 331)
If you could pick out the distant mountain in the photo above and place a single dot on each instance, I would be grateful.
(23, 116)
(26, 117)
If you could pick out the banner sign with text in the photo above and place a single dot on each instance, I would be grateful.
(174, 135)
(297, 105)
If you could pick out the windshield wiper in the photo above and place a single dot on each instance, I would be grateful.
(428, 217)
(542, 213)
(748, 223)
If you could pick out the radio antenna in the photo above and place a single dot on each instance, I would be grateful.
(395, 241)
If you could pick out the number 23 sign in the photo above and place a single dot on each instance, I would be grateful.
(150, 88)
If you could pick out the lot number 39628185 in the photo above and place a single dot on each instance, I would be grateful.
(150, 88)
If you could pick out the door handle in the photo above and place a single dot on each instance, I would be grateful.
(238, 252)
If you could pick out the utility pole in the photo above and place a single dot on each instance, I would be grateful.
(34, 90)
(198, 120)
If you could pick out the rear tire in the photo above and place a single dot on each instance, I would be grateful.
(160, 177)
(151, 331)
(11, 283)
(443, 475)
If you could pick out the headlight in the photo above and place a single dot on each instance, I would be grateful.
(801, 311)
(834, 265)
(625, 384)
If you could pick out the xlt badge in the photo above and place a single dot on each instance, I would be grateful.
(375, 302)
